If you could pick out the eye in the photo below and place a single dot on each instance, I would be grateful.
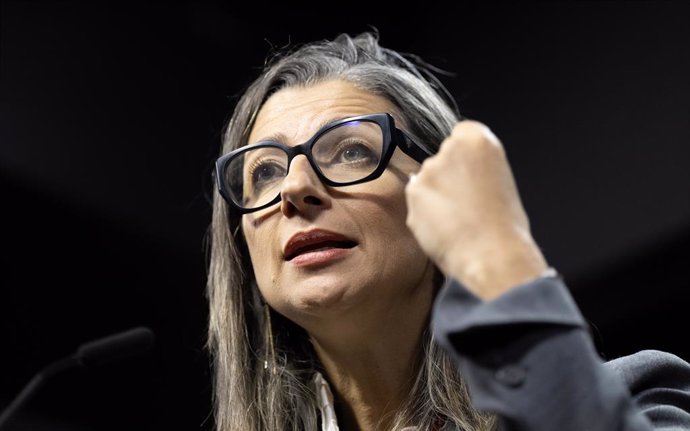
(353, 152)
(266, 172)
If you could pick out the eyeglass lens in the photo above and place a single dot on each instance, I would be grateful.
(344, 154)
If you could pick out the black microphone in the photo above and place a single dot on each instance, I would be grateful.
(112, 348)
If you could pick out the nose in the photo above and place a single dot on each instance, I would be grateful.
(302, 191)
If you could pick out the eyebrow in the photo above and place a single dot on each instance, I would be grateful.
(281, 137)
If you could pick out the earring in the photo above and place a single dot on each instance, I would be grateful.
(268, 337)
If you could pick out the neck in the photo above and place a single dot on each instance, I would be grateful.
(372, 365)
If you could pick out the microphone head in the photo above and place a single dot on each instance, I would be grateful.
(116, 347)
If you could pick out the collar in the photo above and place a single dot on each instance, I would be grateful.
(324, 398)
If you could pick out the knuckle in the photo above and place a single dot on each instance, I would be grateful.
(475, 136)
(426, 178)
(409, 220)
(412, 190)
(469, 130)
(428, 165)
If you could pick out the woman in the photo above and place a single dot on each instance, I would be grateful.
(348, 192)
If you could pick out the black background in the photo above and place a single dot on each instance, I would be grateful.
(111, 116)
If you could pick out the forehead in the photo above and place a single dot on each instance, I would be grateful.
(296, 113)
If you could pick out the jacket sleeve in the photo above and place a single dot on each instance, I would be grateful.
(527, 356)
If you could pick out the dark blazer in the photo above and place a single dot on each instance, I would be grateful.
(528, 357)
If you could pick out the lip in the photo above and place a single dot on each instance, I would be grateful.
(308, 242)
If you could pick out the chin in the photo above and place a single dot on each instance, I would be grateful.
(323, 299)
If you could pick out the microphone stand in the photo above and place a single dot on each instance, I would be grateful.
(108, 349)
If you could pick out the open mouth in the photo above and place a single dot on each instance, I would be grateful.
(316, 240)
(318, 246)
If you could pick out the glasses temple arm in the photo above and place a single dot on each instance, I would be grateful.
(412, 148)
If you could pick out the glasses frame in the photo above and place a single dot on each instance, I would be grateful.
(392, 137)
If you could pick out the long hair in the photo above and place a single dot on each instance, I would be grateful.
(264, 363)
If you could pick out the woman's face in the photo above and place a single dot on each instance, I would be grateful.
(348, 248)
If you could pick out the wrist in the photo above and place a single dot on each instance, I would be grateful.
(494, 271)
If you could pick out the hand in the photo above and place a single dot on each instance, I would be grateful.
(465, 211)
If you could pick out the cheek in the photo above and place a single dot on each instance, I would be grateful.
(394, 262)
(383, 219)
(390, 211)
(260, 246)
(390, 221)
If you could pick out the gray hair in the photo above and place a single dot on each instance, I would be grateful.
(263, 363)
